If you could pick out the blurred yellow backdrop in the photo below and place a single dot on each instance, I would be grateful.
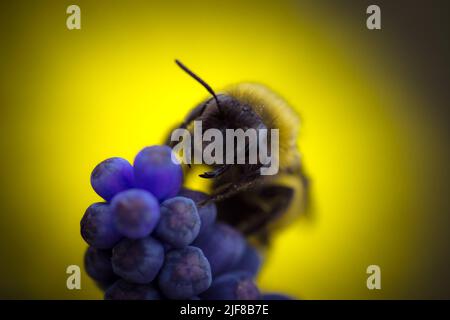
(73, 98)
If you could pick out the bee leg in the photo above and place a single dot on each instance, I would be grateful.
(230, 190)
(226, 190)
(216, 173)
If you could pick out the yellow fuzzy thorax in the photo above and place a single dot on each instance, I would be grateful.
(276, 114)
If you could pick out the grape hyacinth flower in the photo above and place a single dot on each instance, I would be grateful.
(157, 170)
(223, 246)
(138, 261)
(135, 213)
(97, 227)
(123, 290)
(179, 223)
(232, 286)
(185, 273)
(207, 212)
(112, 176)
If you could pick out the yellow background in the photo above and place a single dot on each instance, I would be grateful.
(73, 98)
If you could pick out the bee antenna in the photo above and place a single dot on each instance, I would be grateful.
(199, 80)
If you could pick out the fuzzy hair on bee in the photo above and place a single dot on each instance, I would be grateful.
(253, 203)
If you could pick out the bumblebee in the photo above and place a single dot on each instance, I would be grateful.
(253, 203)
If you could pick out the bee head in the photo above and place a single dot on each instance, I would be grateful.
(227, 112)
(223, 111)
